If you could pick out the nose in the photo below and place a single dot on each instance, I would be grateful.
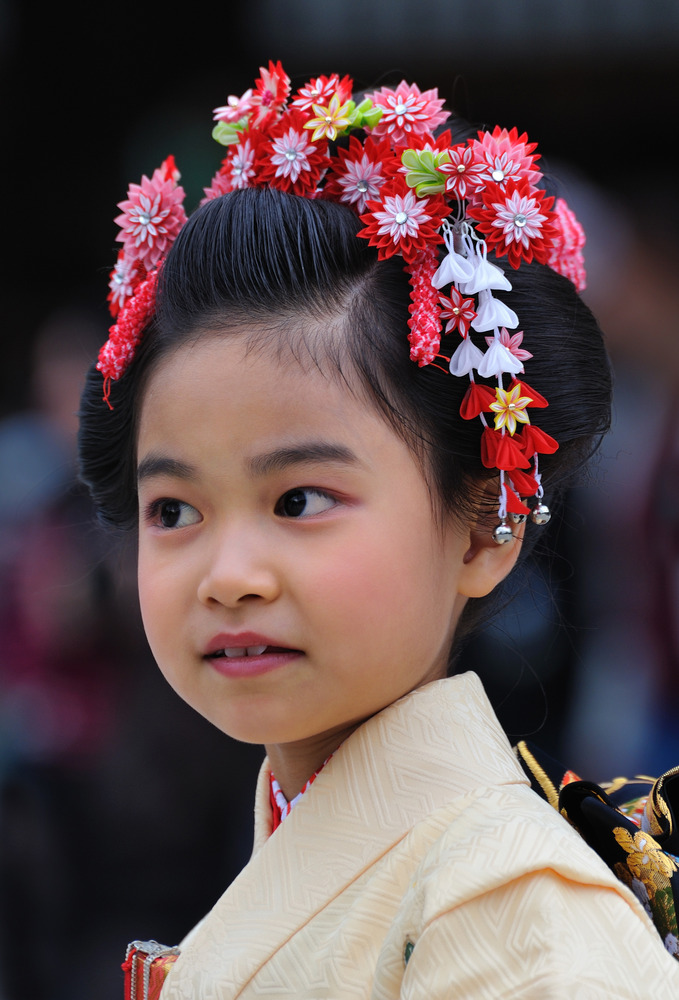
(239, 567)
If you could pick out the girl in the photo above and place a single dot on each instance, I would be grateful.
(321, 522)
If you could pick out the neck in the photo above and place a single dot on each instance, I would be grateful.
(294, 763)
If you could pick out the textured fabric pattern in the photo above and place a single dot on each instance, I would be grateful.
(420, 865)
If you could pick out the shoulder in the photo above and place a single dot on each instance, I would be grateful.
(510, 901)
(496, 835)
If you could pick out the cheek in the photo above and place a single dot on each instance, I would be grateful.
(159, 604)
(150, 610)
(381, 580)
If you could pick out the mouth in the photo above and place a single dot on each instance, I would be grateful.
(247, 655)
(238, 652)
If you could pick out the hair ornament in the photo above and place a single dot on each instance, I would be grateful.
(125, 334)
(438, 204)
(152, 216)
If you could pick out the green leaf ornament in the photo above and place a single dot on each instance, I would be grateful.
(229, 133)
(365, 114)
(423, 173)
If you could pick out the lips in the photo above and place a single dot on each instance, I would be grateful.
(247, 654)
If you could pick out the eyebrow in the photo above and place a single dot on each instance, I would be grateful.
(161, 465)
(261, 465)
(311, 451)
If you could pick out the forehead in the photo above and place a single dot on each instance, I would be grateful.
(219, 391)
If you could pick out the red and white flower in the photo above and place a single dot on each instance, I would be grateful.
(289, 161)
(457, 311)
(501, 451)
(123, 281)
(516, 221)
(238, 169)
(358, 173)
(403, 223)
(235, 108)
(320, 90)
(221, 184)
(272, 88)
(463, 171)
(152, 215)
(406, 111)
(291, 152)
(505, 156)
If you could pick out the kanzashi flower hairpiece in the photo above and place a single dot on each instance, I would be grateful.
(440, 205)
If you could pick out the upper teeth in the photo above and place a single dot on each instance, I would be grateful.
(245, 651)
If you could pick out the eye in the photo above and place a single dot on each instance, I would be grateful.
(304, 502)
(172, 514)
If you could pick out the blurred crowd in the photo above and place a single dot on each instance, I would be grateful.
(122, 813)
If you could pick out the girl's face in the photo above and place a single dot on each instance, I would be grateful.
(293, 579)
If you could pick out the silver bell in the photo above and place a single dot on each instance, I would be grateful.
(503, 533)
(518, 518)
(540, 514)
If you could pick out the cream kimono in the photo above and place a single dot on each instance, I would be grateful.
(420, 865)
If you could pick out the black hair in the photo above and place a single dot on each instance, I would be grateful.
(290, 273)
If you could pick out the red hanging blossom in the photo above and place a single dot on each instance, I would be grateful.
(513, 503)
(501, 451)
(537, 400)
(524, 484)
(477, 400)
(536, 440)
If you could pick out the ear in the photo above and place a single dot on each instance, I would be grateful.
(486, 563)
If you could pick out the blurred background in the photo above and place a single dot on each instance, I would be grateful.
(122, 813)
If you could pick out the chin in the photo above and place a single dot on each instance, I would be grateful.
(255, 727)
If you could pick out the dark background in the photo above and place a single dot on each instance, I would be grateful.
(122, 813)
(95, 95)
